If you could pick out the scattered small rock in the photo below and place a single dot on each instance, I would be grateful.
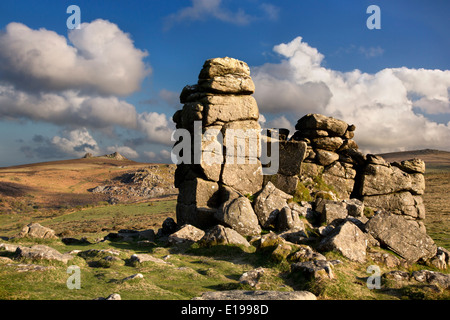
(252, 277)
(256, 295)
(134, 276)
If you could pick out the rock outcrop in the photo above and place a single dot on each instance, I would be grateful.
(219, 107)
(325, 191)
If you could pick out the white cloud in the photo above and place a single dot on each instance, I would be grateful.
(76, 83)
(371, 52)
(156, 127)
(100, 59)
(76, 143)
(67, 108)
(201, 10)
(161, 156)
(380, 104)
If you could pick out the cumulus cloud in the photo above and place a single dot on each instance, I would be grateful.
(74, 143)
(100, 58)
(156, 127)
(161, 156)
(371, 52)
(75, 82)
(201, 10)
(381, 105)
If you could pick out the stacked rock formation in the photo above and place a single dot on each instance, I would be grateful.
(333, 168)
(328, 141)
(219, 104)
(318, 194)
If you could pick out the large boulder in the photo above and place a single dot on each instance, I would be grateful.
(380, 179)
(403, 203)
(245, 178)
(268, 203)
(292, 154)
(220, 235)
(187, 234)
(411, 166)
(35, 230)
(238, 214)
(401, 236)
(289, 219)
(42, 252)
(334, 127)
(348, 240)
(330, 210)
(222, 66)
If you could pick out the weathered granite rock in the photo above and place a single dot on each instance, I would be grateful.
(411, 166)
(238, 214)
(288, 219)
(268, 203)
(325, 157)
(35, 230)
(330, 210)
(292, 154)
(224, 109)
(285, 183)
(230, 140)
(252, 277)
(42, 252)
(348, 240)
(220, 235)
(187, 234)
(306, 253)
(432, 277)
(256, 295)
(380, 179)
(143, 257)
(333, 126)
(222, 66)
(401, 236)
(316, 269)
(228, 83)
(245, 178)
(402, 203)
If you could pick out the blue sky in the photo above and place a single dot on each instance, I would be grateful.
(305, 56)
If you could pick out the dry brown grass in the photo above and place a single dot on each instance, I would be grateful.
(59, 184)
(437, 203)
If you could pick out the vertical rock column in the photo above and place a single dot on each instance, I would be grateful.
(221, 102)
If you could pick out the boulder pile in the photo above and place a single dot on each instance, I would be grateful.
(324, 185)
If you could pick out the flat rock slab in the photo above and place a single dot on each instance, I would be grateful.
(41, 252)
(401, 236)
(256, 295)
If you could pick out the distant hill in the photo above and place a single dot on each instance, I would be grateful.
(434, 159)
(61, 184)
